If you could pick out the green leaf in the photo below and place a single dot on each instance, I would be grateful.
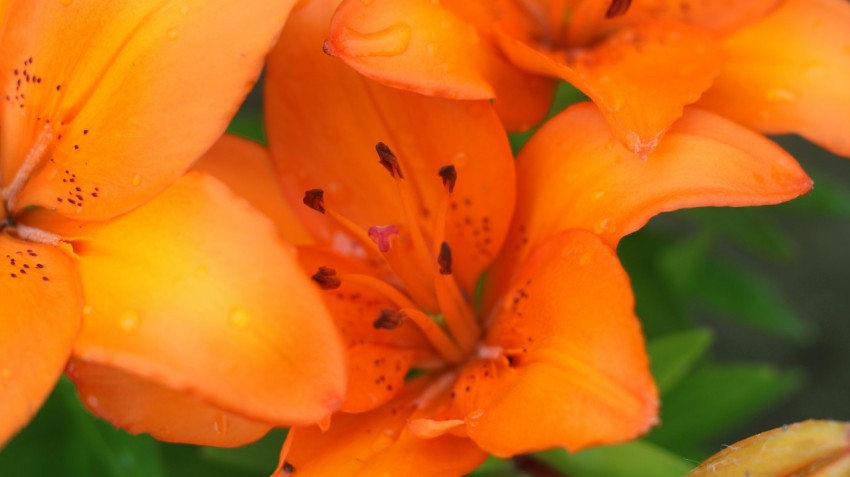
(495, 467)
(260, 456)
(750, 227)
(248, 124)
(635, 459)
(734, 291)
(64, 439)
(716, 397)
(565, 95)
(672, 356)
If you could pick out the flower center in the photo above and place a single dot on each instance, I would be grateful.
(424, 290)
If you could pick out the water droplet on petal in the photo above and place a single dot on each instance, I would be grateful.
(5, 373)
(602, 226)
(585, 259)
(87, 309)
(780, 95)
(239, 319)
(129, 321)
(136, 180)
(92, 401)
(431, 48)
(597, 196)
(221, 424)
(390, 41)
(184, 10)
(173, 34)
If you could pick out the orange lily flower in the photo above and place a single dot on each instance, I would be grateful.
(773, 65)
(410, 198)
(160, 286)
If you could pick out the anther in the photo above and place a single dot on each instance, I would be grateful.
(449, 176)
(389, 319)
(326, 278)
(315, 199)
(288, 468)
(388, 160)
(382, 236)
(444, 259)
(617, 8)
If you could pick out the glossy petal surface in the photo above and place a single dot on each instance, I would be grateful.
(131, 93)
(378, 443)
(246, 168)
(787, 74)
(195, 292)
(573, 174)
(40, 314)
(641, 78)
(422, 46)
(325, 121)
(573, 371)
(138, 405)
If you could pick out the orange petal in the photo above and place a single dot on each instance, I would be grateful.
(572, 370)
(246, 310)
(434, 52)
(788, 73)
(377, 443)
(40, 314)
(641, 78)
(320, 111)
(129, 93)
(588, 22)
(573, 174)
(138, 405)
(247, 169)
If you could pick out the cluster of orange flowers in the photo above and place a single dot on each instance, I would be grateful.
(205, 290)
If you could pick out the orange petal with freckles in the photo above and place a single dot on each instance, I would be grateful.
(325, 120)
(134, 92)
(138, 405)
(246, 168)
(641, 78)
(588, 23)
(40, 314)
(788, 74)
(422, 46)
(377, 443)
(253, 336)
(573, 371)
(573, 174)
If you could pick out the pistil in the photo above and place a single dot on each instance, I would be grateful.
(33, 159)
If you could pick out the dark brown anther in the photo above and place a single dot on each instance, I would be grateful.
(389, 319)
(617, 8)
(288, 468)
(444, 260)
(449, 176)
(388, 160)
(315, 199)
(326, 278)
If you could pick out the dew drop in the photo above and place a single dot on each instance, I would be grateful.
(239, 319)
(390, 41)
(221, 424)
(184, 10)
(92, 401)
(129, 321)
(602, 226)
(173, 34)
(5, 373)
(585, 259)
(431, 48)
(136, 180)
(597, 196)
(780, 95)
(87, 309)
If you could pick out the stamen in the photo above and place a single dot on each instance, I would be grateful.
(436, 335)
(617, 8)
(387, 320)
(449, 176)
(315, 199)
(382, 235)
(33, 159)
(326, 278)
(444, 259)
(388, 160)
(458, 315)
